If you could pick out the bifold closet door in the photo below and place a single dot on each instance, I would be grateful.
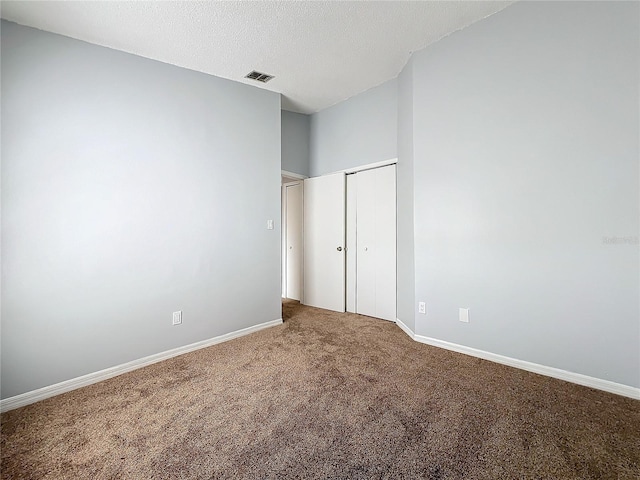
(376, 243)
(324, 242)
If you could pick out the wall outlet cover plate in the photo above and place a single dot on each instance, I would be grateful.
(422, 308)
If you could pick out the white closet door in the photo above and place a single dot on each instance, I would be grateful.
(386, 243)
(376, 243)
(352, 246)
(324, 242)
(294, 241)
(366, 241)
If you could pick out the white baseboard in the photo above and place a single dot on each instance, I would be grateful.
(578, 378)
(405, 329)
(74, 383)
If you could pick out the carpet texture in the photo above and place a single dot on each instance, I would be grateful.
(325, 395)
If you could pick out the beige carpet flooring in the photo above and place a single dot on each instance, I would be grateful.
(331, 396)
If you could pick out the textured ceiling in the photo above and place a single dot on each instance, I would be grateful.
(320, 52)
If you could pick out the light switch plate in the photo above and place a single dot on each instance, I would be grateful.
(269, 224)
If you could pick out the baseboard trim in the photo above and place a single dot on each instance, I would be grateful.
(578, 378)
(405, 329)
(95, 377)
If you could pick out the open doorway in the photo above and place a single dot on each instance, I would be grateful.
(292, 236)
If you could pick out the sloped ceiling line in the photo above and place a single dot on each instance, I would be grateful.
(319, 52)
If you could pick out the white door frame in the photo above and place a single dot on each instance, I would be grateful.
(297, 176)
(368, 166)
(287, 242)
(283, 234)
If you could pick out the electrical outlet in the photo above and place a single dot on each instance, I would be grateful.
(422, 308)
(464, 315)
(177, 318)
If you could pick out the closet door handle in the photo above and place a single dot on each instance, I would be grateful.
(339, 249)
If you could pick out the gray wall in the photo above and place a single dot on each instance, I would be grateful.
(130, 189)
(358, 131)
(525, 166)
(295, 142)
(406, 300)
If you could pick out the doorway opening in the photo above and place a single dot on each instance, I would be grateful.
(292, 236)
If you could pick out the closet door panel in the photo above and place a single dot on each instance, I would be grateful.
(385, 239)
(324, 242)
(352, 246)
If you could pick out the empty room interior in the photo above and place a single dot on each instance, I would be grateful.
(320, 239)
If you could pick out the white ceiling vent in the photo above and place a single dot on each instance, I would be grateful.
(259, 76)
